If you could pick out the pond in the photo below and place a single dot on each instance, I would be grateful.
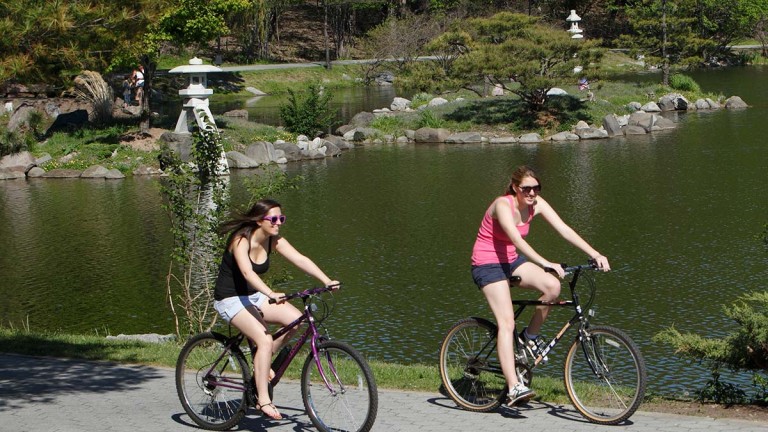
(677, 212)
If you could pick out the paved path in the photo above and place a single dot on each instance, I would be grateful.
(54, 395)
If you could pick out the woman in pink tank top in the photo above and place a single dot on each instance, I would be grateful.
(501, 251)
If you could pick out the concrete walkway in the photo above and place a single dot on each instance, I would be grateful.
(40, 394)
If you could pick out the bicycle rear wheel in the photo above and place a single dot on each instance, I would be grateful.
(349, 401)
(211, 383)
(470, 368)
(605, 375)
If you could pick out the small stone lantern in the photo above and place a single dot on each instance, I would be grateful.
(574, 30)
(196, 94)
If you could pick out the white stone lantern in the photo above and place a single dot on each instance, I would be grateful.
(196, 94)
(575, 31)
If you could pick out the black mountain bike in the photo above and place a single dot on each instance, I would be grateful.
(605, 375)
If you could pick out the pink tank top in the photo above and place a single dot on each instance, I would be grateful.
(492, 245)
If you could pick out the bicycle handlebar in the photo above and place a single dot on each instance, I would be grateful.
(306, 293)
(591, 265)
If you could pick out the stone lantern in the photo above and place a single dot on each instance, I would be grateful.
(575, 31)
(196, 94)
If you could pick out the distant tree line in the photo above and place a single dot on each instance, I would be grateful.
(54, 40)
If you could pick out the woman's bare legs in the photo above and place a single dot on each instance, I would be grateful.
(281, 314)
(257, 332)
(500, 301)
(534, 277)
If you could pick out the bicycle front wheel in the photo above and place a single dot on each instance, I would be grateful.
(470, 368)
(212, 383)
(605, 375)
(340, 392)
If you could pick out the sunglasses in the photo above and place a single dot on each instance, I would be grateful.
(274, 219)
(527, 189)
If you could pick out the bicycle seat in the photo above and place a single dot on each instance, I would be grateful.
(515, 279)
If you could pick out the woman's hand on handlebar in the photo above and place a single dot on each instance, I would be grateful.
(554, 268)
(276, 297)
(334, 285)
(602, 263)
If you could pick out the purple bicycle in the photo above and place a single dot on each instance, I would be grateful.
(215, 384)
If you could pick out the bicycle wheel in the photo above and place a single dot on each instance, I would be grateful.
(348, 400)
(211, 384)
(605, 375)
(470, 368)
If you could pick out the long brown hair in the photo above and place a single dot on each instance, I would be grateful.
(518, 175)
(244, 224)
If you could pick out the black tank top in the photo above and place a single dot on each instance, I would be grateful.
(230, 282)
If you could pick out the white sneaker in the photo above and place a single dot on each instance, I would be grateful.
(519, 393)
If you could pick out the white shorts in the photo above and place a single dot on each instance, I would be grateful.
(231, 306)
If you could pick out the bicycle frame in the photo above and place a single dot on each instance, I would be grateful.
(311, 333)
(578, 317)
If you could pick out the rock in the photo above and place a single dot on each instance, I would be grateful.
(701, 104)
(530, 138)
(503, 140)
(331, 149)
(262, 152)
(651, 107)
(611, 125)
(95, 171)
(581, 124)
(291, 152)
(114, 174)
(35, 172)
(431, 135)
(634, 106)
(673, 102)
(9, 174)
(362, 133)
(634, 130)
(361, 119)
(22, 161)
(712, 104)
(437, 102)
(402, 140)
(642, 119)
(591, 133)
(661, 123)
(735, 102)
(341, 130)
(464, 138)
(564, 136)
(20, 117)
(339, 142)
(399, 104)
(498, 90)
(236, 159)
(42, 160)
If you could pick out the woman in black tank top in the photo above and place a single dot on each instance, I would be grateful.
(252, 238)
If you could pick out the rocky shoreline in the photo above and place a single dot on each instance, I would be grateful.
(644, 119)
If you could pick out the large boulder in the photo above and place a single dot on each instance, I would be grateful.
(262, 152)
(634, 130)
(735, 102)
(464, 138)
(611, 125)
(399, 104)
(21, 161)
(591, 133)
(361, 119)
(236, 159)
(437, 102)
(95, 171)
(291, 151)
(641, 119)
(564, 136)
(530, 138)
(431, 135)
(503, 140)
(10, 174)
(673, 102)
(179, 143)
(20, 117)
(651, 107)
(62, 173)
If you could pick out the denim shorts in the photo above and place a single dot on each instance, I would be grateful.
(231, 306)
(489, 273)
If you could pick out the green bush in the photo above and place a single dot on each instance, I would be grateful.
(420, 99)
(684, 83)
(388, 125)
(310, 115)
(427, 118)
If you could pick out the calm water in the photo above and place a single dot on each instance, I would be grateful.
(677, 213)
